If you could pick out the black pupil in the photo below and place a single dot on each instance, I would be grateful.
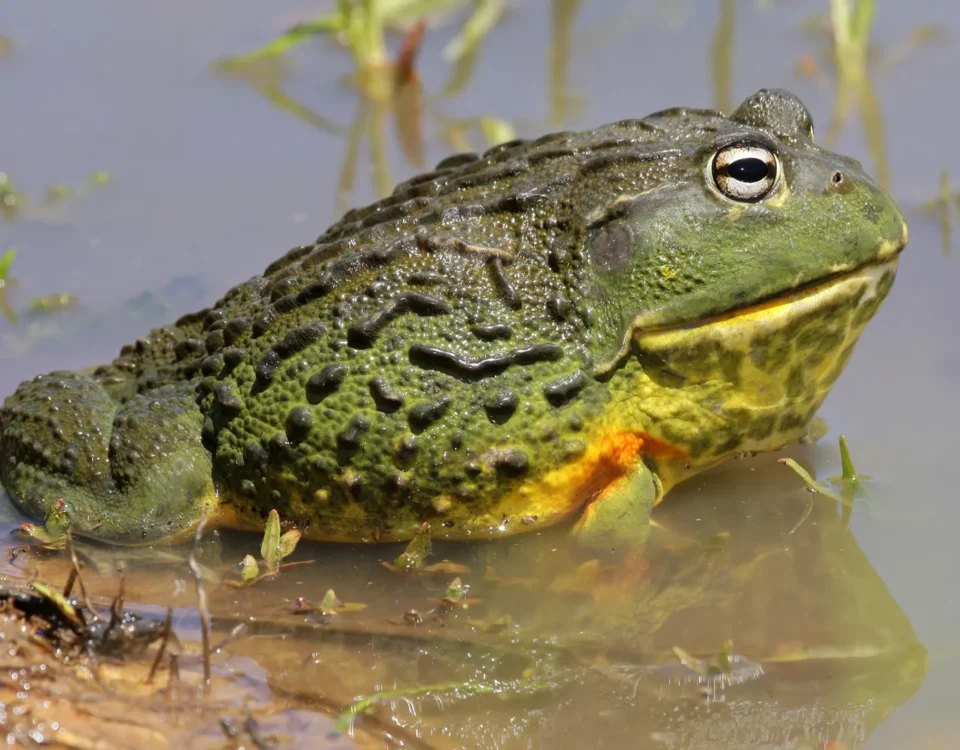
(749, 170)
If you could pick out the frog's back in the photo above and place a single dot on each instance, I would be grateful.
(425, 355)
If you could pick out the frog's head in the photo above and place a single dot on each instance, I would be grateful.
(742, 279)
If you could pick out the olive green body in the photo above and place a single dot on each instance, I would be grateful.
(454, 351)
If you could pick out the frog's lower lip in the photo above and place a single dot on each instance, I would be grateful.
(801, 300)
(811, 294)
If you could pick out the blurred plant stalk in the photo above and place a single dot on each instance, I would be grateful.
(389, 87)
(851, 21)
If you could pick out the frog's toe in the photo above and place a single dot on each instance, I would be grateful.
(128, 473)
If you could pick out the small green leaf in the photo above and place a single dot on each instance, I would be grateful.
(289, 39)
(288, 543)
(53, 303)
(58, 192)
(417, 551)
(270, 547)
(849, 473)
(330, 603)
(98, 179)
(249, 570)
(485, 16)
(456, 590)
(496, 131)
(6, 260)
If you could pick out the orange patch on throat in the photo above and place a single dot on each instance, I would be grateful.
(612, 453)
(615, 454)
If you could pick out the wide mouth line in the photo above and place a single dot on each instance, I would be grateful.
(773, 300)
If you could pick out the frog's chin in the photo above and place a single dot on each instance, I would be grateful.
(752, 380)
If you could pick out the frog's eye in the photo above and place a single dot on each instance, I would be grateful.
(745, 171)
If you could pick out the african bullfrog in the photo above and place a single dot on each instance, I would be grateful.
(557, 328)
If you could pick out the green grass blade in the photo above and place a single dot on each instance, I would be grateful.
(6, 261)
(485, 16)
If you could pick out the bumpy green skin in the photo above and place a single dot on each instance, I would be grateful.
(440, 348)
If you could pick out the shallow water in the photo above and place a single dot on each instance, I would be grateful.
(209, 183)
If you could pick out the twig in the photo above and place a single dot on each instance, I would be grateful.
(79, 578)
(253, 730)
(174, 673)
(201, 602)
(239, 630)
(68, 586)
(116, 606)
(163, 645)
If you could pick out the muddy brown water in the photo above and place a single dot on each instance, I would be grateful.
(855, 629)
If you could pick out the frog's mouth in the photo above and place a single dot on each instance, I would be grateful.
(820, 294)
(847, 287)
(809, 322)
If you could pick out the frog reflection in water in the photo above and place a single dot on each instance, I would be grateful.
(586, 657)
(560, 328)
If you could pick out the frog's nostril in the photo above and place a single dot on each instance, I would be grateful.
(839, 184)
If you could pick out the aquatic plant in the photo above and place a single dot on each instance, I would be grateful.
(844, 489)
(274, 549)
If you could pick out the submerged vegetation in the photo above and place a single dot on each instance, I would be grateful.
(361, 26)
(844, 489)
(945, 208)
(856, 62)
(6, 260)
(274, 549)
(16, 204)
(387, 88)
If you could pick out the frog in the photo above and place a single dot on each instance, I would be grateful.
(557, 330)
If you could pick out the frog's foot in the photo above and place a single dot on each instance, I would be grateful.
(129, 473)
(619, 516)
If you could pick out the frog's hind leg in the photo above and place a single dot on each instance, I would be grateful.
(619, 515)
(128, 473)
